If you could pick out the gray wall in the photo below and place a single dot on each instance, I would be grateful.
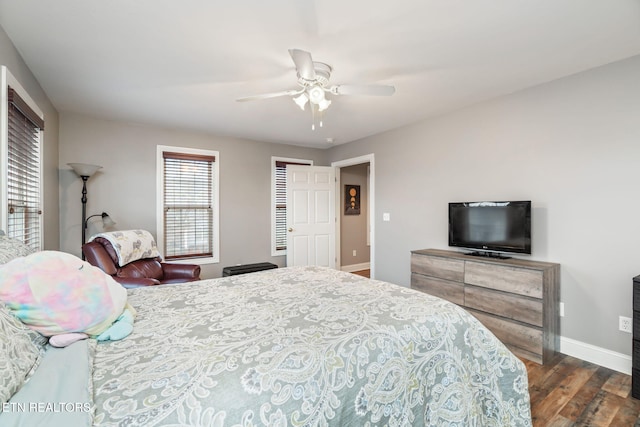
(126, 186)
(353, 228)
(572, 146)
(10, 58)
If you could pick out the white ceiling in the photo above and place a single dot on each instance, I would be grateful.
(182, 63)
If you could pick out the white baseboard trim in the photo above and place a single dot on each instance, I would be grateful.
(598, 355)
(356, 267)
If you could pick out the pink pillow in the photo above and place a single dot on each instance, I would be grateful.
(56, 293)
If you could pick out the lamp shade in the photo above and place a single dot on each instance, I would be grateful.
(84, 169)
(107, 221)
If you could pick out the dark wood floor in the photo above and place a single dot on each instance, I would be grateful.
(571, 392)
(364, 273)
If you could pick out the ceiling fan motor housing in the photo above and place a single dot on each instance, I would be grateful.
(322, 75)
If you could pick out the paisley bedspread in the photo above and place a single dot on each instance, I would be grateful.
(305, 346)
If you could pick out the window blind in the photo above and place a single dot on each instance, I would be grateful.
(188, 210)
(281, 203)
(24, 172)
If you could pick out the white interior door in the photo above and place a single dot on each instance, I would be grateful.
(311, 221)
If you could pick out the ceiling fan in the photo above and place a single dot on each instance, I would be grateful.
(313, 79)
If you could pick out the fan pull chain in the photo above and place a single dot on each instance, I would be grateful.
(313, 116)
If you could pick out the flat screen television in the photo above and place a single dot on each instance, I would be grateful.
(491, 227)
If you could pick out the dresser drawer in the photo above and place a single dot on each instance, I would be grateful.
(635, 383)
(443, 268)
(445, 289)
(513, 334)
(519, 281)
(522, 309)
(635, 329)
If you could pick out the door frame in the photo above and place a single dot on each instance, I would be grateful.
(367, 158)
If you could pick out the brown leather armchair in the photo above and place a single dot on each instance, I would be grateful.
(143, 272)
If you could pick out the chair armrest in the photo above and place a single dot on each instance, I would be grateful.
(97, 255)
(180, 271)
(136, 282)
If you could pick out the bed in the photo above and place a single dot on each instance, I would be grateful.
(298, 346)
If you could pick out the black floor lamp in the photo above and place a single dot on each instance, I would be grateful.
(85, 171)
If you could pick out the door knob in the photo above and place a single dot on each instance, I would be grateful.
(290, 229)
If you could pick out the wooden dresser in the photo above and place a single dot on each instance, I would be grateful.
(518, 300)
(635, 355)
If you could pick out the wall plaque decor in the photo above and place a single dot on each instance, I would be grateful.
(352, 200)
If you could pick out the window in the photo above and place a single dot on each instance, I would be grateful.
(188, 204)
(279, 202)
(22, 173)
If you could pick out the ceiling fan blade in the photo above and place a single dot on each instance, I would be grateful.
(291, 92)
(375, 90)
(304, 63)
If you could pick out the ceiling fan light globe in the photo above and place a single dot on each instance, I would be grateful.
(301, 100)
(323, 104)
(316, 94)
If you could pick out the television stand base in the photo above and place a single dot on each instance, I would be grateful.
(488, 255)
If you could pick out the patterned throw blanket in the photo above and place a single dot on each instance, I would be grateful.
(305, 346)
(131, 245)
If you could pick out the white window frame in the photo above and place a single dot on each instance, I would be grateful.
(274, 159)
(6, 80)
(215, 197)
